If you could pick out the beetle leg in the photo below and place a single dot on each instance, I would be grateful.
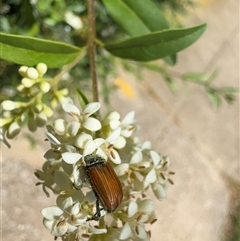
(97, 215)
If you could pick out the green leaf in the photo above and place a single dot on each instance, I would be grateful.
(30, 51)
(138, 17)
(230, 90)
(156, 45)
(83, 100)
(197, 77)
(214, 97)
(200, 77)
(170, 82)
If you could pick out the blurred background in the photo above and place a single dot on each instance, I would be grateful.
(201, 140)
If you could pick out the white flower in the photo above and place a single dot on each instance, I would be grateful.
(112, 122)
(138, 213)
(73, 20)
(89, 123)
(61, 220)
(136, 164)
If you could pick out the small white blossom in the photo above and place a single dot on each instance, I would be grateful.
(73, 20)
(136, 164)
(89, 123)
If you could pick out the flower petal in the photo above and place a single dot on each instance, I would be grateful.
(132, 209)
(81, 140)
(129, 118)
(89, 148)
(155, 157)
(136, 157)
(60, 228)
(62, 180)
(67, 204)
(76, 208)
(146, 145)
(115, 157)
(71, 158)
(146, 206)
(121, 169)
(53, 140)
(114, 136)
(97, 230)
(92, 124)
(91, 108)
(114, 124)
(126, 231)
(70, 109)
(73, 128)
(151, 176)
(51, 212)
(141, 232)
(159, 192)
(120, 142)
(48, 223)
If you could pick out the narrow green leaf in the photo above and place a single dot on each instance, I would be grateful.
(214, 98)
(230, 90)
(197, 77)
(156, 45)
(149, 13)
(31, 51)
(83, 100)
(170, 82)
(138, 17)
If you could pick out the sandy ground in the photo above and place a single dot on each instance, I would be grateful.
(202, 142)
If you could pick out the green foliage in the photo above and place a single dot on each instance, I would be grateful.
(128, 29)
(31, 51)
(138, 18)
(156, 45)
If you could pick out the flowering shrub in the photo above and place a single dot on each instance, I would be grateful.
(31, 109)
(136, 164)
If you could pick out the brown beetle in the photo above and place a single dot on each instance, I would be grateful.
(105, 184)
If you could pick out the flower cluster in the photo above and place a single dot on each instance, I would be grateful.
(136, 164)
(32, 109)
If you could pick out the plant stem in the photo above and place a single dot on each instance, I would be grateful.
(69, 66)
(92, 48)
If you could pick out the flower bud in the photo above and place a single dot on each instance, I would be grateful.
(47, 111)
(20, 88)
(45, 86)
(9, 105)
(23, 71)
(13, 130)
(27, 82)
(41, 119)
(4, 121)
(60, 126)
(32, 123)
(37, 108)
(32, 73)
(41, 68)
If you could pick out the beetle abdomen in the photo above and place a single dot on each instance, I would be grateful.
(106, 185)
